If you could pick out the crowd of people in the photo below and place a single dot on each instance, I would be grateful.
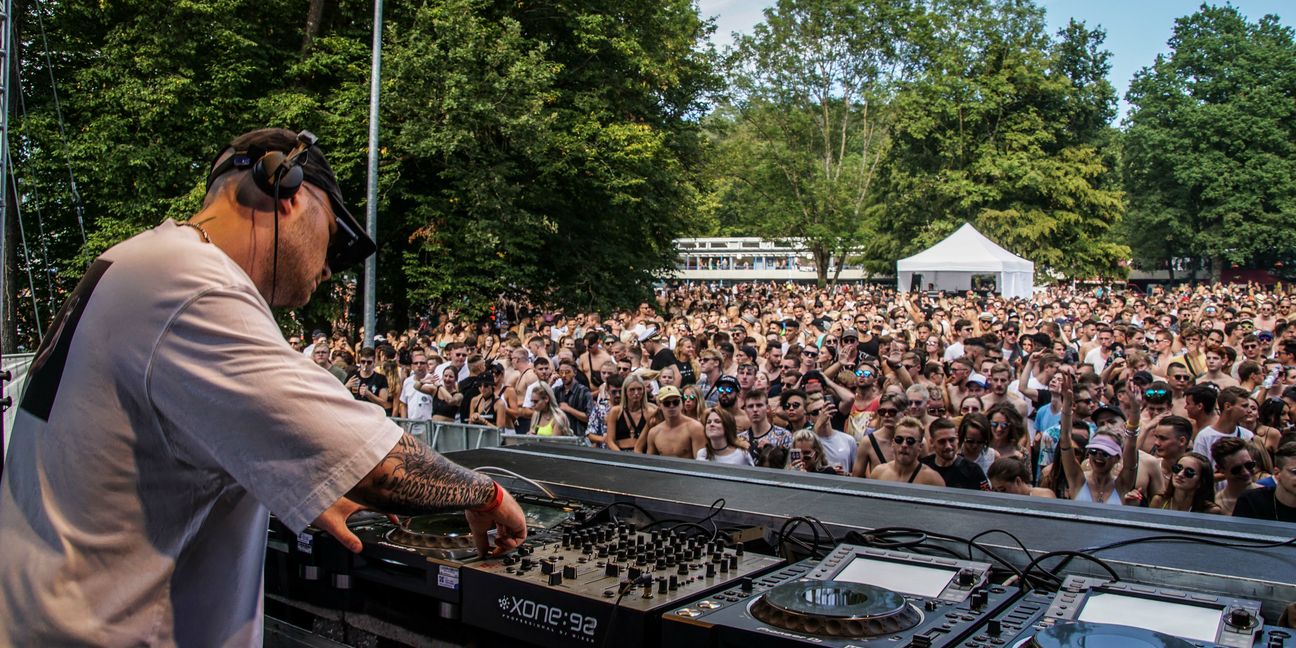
(1182, 398)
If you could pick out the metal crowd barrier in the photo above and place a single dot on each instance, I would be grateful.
(450, 437)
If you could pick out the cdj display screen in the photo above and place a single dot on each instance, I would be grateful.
(915, 580)
(1191, 622)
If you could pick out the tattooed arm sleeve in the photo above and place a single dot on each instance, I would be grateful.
(412, 480)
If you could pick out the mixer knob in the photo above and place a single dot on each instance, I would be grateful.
(524, 550)
(527, 563)
(621, 555)
(733, 563)
(683, 569)
(641, 560)
(555, 578)
(994, 628)
(724, 566)
(738, 549)
(966, 578)
(661, 563)
(634, 573)
(588, 548)
(547, 567)
(710, 570)
(670, 560)
(1239, 618)
(647, 590)
(569, 572)
(662, 586)
(746, 584)
(979, 599)
(612, 570)
(603, 551)
(930, 605)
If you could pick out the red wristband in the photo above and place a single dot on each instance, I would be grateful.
(495, 502)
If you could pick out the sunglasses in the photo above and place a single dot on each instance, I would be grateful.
(1098, 452)
(1188, 473)
(793, 405)
(996, 425)
(690, 397)
(1180, 377)
(905, 440)
(725, 390)
(973, 442)
(864, 373)
(888, 412)
(1154, 393)
(672, 402)
(1249, 466)
(935, 411)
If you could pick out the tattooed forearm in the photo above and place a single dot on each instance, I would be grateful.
(413, 479)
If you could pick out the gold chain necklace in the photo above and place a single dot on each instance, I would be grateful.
(202, 232)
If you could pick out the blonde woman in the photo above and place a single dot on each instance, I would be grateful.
(548, 419)
(694, 406)
(632, 418)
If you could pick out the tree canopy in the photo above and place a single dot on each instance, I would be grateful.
(1210, 144)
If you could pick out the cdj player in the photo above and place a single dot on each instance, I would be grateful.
(856, 596)
(1096, 612)
(424, 554)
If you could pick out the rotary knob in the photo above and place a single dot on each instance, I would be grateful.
(1240, 618)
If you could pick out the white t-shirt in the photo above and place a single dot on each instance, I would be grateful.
(839, 450)
(418, 405)
(163, 415)
(736, 458)
(953, 352)
(463, 371)
(1095, 358)
(1209, 435)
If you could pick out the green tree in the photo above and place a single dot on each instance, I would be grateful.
(1210, 144)
(1005, 129)
(547, 151)
(809, 120)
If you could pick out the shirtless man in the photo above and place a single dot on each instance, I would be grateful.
(875, 449)
(907, 444)
(1000, 377)
(593, 359)
(517, 382)
(1215, 360)
(677, 436)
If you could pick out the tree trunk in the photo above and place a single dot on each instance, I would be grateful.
(9, 256)
(314, 18)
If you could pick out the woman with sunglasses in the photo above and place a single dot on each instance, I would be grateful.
(1007, 431)
(1191, 487)
(974, 440)
(1101, 483)
(694, 406)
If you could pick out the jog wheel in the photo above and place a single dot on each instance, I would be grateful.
(438, 531)
(1080, 634)
(836, 609)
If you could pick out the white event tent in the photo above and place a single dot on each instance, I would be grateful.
(951, 264)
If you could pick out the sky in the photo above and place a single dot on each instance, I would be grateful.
(1137, 30)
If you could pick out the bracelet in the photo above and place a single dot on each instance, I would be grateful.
(495, 502)
(1132, 426)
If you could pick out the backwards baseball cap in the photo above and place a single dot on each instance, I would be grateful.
(726, 381)
(350, 244)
